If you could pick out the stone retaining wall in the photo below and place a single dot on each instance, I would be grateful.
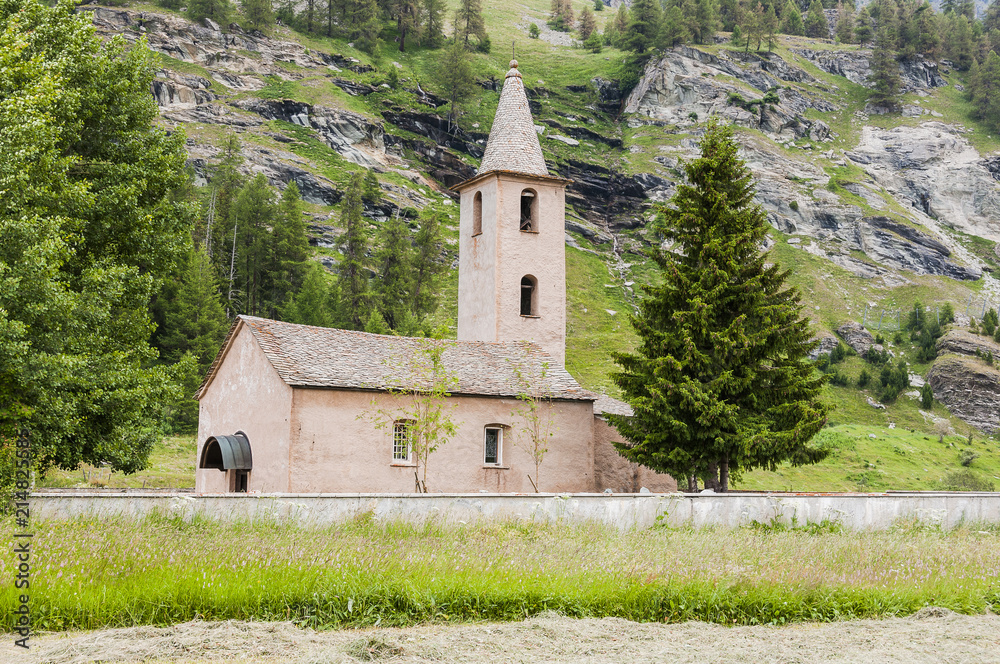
(624, 511)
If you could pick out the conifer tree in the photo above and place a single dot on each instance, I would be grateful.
(587, 23)
(673, 30)
(984, 89)
(252, 215)
(352, 270)
(311, 304)
(427, 265)
(469, 21)
(433, 12)
(769, 28)
(815, 22)
(258, 12)
(643, 27)
(720, 383)
(407, 14)
(791, 20)
(394, 267)
(455, 77)
(845, 23)
(885, 72)
(289, 248)
(217, 10)
(863, 26)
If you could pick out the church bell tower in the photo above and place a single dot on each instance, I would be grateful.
(512, 248)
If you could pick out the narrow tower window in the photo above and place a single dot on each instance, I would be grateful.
(477, 213)
(529, 296)
(529, 211)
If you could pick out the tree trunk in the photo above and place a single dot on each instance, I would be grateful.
(724, 474)
(692, 484)
(712, 476)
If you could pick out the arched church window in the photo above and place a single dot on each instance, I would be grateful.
(529, 296)
(477, 213)
(529, 211)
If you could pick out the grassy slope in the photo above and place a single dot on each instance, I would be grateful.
(831, 294)
(171, 465)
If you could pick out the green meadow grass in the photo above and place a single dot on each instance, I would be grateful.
(94, 574)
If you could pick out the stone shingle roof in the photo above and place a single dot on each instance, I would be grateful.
(513, 143)
(307, 356)
(609, 405)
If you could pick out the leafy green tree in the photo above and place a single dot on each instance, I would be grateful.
(424, 407)
(352, 270)
(217, 10)
(533, 31)
(88, 230)
(815, 22)
(885, 73)
(720, 383)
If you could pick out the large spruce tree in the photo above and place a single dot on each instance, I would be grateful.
(719, 383)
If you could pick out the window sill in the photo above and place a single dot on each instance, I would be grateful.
(529, 316)
(395, 464)
(523, 230)
(477, 234)
(492, 466)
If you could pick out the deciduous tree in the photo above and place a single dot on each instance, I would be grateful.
(88, 230)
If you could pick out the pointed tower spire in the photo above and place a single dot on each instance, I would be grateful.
(513, 143)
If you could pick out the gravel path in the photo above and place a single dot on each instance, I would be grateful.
(933, 635)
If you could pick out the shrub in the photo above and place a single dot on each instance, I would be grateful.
(892, 381)
(737, 34)
(965, 480)
(837, 378)
(771, 97)
(533, 31)
(967, 457)
(926, 396)
(838, 353)
(794, 205)
(947, 313)
(693, 116)
(864, 378)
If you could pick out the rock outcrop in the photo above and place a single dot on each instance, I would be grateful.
(857, 337)
(915, 74)
(969, 388)
(964, 342)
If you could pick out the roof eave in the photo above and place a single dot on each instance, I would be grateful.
(220, 357)
(479, 177)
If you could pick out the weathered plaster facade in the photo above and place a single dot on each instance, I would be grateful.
(493, 262)
(246, 394)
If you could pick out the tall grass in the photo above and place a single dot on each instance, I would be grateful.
(89, 574)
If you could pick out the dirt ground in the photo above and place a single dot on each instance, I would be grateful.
(933, 635)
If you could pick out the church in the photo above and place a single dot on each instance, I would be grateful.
(291, 408)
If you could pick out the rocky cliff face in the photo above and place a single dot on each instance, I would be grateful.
(888, 204)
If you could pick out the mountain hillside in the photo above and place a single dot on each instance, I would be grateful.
(872, 212)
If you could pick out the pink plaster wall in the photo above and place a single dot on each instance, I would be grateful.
(613, 471)
(334, 450)
(492, 264)
(247, 395)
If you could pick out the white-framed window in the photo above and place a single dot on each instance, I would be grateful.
(493, 447)
(402, 440)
